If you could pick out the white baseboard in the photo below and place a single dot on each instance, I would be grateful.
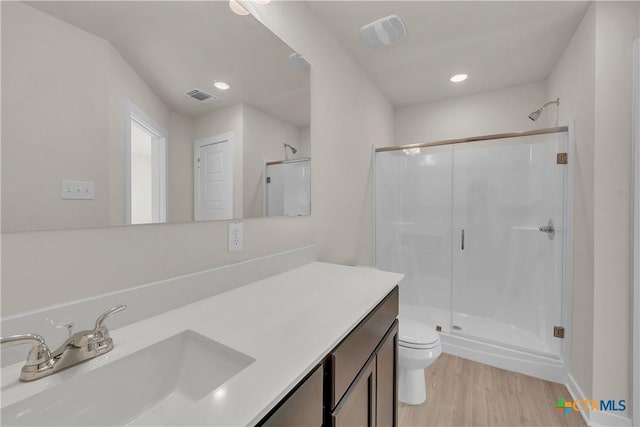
(595, 418)
(576, 394)
(607, 419)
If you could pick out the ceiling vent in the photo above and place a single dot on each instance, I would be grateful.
(384, 31)
(201, 96)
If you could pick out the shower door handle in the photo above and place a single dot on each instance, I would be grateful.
(462, 239)
(550, 229)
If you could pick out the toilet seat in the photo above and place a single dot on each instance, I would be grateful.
(417, 335)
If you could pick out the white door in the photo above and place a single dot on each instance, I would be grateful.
(213, 178)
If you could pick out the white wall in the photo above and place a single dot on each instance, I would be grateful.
(180, 154)
(616, 30)
(594, 79)
(64, 93)
(50, 115)
(40, 269)
(304, 142)
(573, 80)
(498, 111)
(348, 114)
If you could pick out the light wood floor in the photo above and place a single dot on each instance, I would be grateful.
(465, 393)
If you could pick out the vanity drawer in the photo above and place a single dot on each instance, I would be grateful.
(354, 351)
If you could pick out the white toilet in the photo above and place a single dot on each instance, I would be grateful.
(418, 347)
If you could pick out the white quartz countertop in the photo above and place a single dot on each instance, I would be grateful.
(288, 323)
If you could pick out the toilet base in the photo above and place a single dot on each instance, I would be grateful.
(411, 386)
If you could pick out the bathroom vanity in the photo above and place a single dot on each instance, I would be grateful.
(314, 345)
(356, 384)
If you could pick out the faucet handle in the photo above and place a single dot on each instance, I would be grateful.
(99, 328)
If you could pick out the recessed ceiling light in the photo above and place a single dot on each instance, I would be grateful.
(222, 85)
(458, 78)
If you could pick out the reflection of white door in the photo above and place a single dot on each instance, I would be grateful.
(213, 177)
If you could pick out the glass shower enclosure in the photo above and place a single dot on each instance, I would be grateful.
(478, 230)
(288, 187)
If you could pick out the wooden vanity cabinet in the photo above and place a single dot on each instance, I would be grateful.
(358, 407)
(362, 371)
(302, 407)
(356, 384)
(371, 400)
(387, 379)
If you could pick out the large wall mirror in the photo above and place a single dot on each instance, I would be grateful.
(149, 112)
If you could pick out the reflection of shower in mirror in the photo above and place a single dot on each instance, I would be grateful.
(536, 114)
(287, 187)
(293, 149)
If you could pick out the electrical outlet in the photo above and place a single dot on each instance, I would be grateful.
(235, 236)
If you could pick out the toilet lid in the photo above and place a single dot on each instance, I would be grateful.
(417, 333)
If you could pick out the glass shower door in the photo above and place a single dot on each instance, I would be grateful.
(413, 228)
(507, 271)
(288, 188)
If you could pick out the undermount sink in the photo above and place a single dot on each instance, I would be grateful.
(152, 386)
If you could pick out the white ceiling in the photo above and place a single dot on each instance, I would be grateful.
(499, 44)
(177, 46)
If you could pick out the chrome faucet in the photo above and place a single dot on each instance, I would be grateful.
(79, 347)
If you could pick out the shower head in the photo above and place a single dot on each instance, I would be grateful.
(536, 114)
(292, 148)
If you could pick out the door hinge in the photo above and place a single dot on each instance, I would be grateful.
(562, 158)
(268, 180)
(558, 331)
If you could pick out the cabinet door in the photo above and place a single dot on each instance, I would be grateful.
(358, 406)
(386, 379)
(303, 408)
(355, 350)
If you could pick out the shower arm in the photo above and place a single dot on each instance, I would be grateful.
(557, 102)
(293, 149)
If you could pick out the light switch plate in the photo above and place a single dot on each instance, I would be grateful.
(235, 236)
(78, 190)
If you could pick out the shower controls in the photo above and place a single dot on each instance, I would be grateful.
(550, 229)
